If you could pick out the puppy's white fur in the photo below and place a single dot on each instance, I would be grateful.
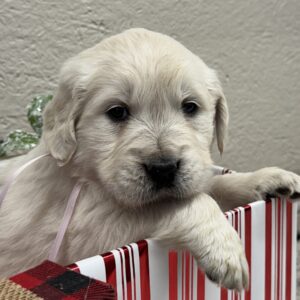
(151, 74)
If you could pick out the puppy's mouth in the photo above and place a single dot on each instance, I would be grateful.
(169, 189)
(172, 193)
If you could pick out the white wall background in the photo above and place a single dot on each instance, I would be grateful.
(255, 46)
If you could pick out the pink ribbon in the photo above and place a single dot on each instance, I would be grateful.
(65, 222)
(10, 180)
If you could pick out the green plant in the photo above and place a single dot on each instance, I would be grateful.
(19, 141)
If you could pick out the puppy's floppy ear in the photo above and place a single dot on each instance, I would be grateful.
(60, 117)
(221, 113)
(221, 122)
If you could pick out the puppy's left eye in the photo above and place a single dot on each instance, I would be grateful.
(189, 108)
(118, 113)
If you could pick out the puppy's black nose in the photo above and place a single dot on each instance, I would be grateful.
(162, 171)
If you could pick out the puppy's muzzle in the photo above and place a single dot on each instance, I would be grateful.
(162, 171)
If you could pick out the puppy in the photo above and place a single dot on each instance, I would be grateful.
(133, 119)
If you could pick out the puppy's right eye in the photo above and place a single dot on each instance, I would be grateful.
(118, 113)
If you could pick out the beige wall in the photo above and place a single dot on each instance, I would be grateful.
(255, 46)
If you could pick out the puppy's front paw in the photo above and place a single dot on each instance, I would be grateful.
(274, 182)
(224, 261)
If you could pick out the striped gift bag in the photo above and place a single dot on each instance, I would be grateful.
(145, 270)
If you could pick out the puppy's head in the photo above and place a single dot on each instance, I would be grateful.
(137, 114)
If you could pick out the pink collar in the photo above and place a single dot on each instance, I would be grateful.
(56, 244)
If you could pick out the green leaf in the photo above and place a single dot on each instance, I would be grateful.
(35, 111)
(18, 142)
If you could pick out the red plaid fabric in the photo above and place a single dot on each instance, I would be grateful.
(54, 282)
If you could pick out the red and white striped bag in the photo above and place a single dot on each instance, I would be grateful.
(145, 270)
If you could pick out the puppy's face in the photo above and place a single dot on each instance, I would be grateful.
(145, 117)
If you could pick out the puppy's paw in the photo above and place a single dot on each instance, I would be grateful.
(274, 182)
(224, 262)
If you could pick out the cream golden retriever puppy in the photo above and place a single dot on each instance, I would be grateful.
(134, 118)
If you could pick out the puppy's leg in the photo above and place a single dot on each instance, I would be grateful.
(203, 229)
(232, 190)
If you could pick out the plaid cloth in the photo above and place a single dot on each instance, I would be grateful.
(50, 281)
